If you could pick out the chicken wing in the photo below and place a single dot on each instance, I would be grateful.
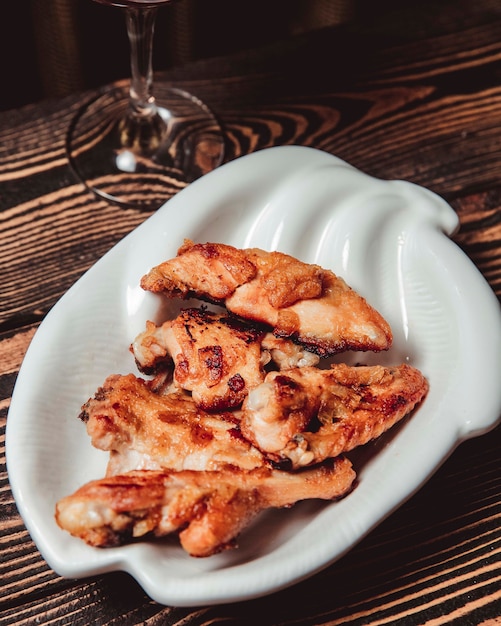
(215, 356)
(306, 415)
(207, 509)
(145, 430)
(301, 301)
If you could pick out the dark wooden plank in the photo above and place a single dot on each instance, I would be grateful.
(480, 233)
(46, 244)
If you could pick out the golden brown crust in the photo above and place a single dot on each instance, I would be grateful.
(302, 301)
(211, 270)
(217, 357)
(207, 509)
(285, 279)
(143, 429)
(307, 414)
(196, 450)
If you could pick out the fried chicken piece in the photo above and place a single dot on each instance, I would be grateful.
(301, 301)
(307, 414)
(310, 305)
(211, 270)
(216, 356)
(208, 509)
(152, 350)
(145, 430)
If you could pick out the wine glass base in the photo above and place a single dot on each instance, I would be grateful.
(192, 145)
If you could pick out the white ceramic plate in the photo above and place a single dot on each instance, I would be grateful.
(388, 239)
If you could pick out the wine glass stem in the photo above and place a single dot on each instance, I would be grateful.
(140, 30)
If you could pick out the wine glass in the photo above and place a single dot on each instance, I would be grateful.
(135, 148)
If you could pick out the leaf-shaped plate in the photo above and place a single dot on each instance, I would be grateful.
(390, 240)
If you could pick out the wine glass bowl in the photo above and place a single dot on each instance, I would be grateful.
(133, 147)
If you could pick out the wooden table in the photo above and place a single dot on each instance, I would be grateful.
(413, 94)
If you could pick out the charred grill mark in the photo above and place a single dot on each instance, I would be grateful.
(212, 358)
(393, 404)
(100, 394)
(247, 333)
(187, 328)
(236, 383)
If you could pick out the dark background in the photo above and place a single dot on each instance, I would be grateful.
(49, 48)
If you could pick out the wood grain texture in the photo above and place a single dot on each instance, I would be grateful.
(412, 94)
